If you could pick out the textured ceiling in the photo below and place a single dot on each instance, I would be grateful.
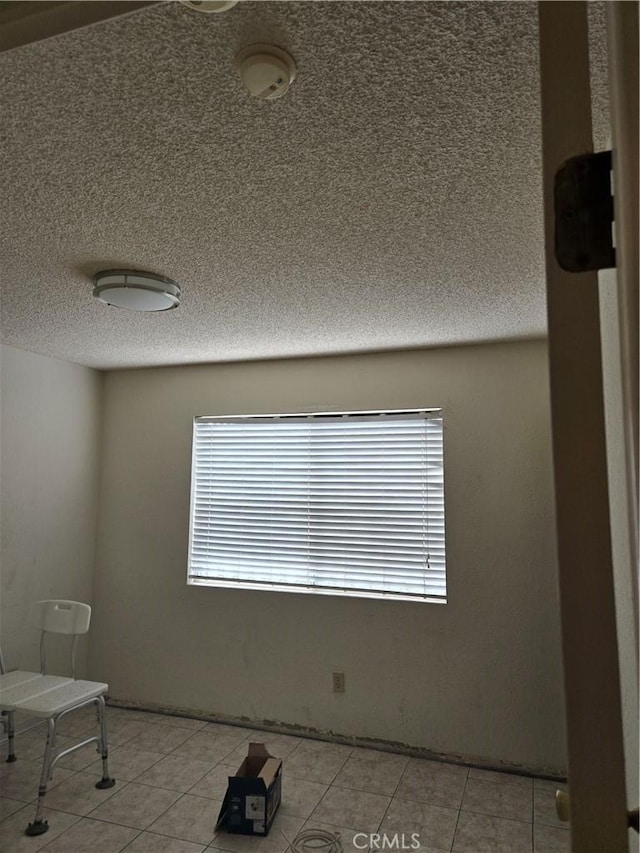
(390, 199)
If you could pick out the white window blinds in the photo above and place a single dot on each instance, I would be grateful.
(350, 505)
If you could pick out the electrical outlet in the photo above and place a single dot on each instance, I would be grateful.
(338, 682)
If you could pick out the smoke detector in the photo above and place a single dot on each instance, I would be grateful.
(136, 290)
(209, 5)
(267, 71)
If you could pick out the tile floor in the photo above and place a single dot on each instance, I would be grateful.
(171, 776)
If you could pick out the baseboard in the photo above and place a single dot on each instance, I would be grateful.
(550, 773)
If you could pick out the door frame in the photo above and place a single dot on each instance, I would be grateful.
(585, 567)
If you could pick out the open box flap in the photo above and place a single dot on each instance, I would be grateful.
(270, 770)
(222, 817)
(258, 750)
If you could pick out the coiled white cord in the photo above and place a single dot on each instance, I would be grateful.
(317, 841)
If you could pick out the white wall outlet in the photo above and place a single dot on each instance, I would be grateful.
(338, 682)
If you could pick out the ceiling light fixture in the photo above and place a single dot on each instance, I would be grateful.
(136, 290)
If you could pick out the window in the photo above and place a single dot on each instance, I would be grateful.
(338, 504)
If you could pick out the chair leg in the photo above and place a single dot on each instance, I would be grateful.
(11, 731)
(39, 826)
(106, 781)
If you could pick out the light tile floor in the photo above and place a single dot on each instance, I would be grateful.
(172, 772)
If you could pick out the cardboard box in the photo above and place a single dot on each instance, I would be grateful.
(253, 794)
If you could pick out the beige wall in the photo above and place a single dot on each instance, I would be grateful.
(479, 677)
(50, 431)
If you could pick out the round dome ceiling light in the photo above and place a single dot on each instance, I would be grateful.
(209, 5)
(136, 290)
(267, 71)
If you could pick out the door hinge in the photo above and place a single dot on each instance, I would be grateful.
(583, 206)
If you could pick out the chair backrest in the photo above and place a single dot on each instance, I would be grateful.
(62, 617)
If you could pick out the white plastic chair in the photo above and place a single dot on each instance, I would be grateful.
(51, 697)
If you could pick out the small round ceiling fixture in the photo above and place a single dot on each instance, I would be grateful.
(136, 290)
(266, 70)
(209, 5)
